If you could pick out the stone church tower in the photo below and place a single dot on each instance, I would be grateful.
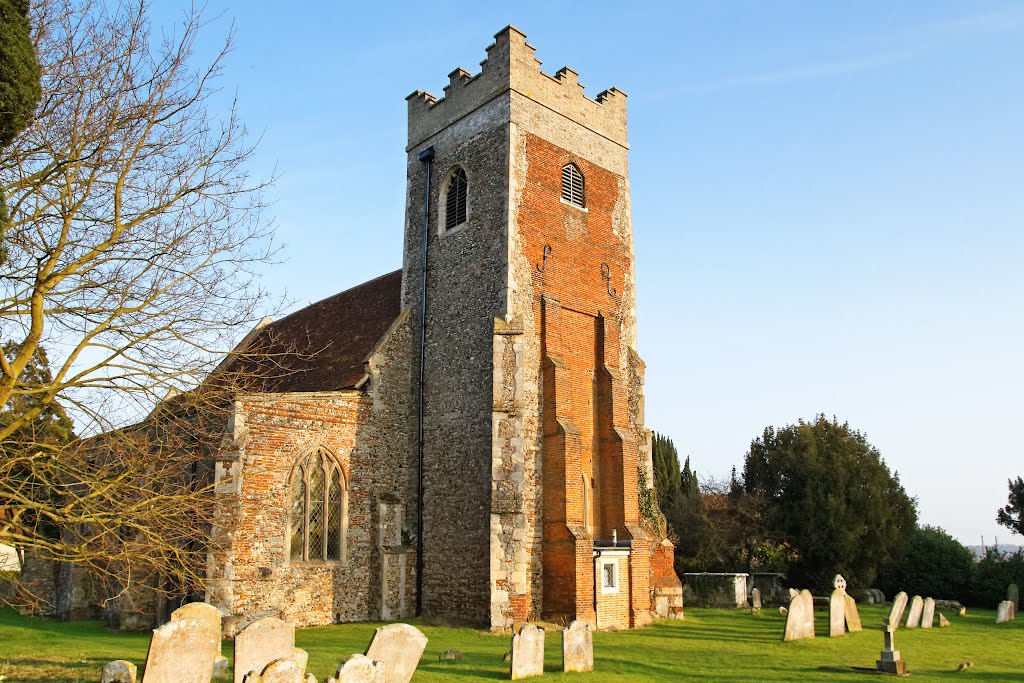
(533, 435)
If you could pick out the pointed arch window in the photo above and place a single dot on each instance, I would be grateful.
(456, 199)
(572, 186)
(318, 517)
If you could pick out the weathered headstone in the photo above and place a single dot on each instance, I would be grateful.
(755, 598)
(282, 671)
(837, 613)
(943, 621)
(399, 647)
(853, 624)
(310, 678)
(890, 661)
(899, 604)
(527, 652)
(119, 671)
(914, 614)
(260, 643)
(300, 657)
(928, 613)
(360, 669)
(578, 647)
(181, 651)
(1013, 595)
(793, 593)
(1003, 612)
(221, 666)
(800, 618)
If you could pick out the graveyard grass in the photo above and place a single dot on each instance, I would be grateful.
(710, 645)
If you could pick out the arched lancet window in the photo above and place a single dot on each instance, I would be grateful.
(572, 186)
(319, 509)
(456, 199)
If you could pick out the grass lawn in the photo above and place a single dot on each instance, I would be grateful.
(711, 645)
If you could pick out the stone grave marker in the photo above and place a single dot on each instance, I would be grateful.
(943, 621)
(890, 661)
(527, 652)
(181, 651)
(899, 604)
(914, 615)
(260, 643)
(800, 617)
(793, 593)
(399, 648)
(300, 657)
(837, 608)
(578, 647)
(755, 598)
(119, 671)
(928, 613)
(282, 671)
(853, 624)
(360, 669)
(1003, 612)
(1013, 595)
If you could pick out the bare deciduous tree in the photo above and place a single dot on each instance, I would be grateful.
(134, 237)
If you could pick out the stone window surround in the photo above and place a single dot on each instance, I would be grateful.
(612, 562)
(334, 464)
(442, 203)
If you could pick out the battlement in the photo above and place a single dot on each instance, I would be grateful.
(511, 65)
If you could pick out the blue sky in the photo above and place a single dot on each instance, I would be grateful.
(827, 202)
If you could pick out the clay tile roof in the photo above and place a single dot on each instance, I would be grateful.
(323, 346)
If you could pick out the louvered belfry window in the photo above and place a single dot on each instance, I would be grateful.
(572, 185)
(316, 524)
(455, 200)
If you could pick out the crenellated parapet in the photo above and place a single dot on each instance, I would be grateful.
(512, 66)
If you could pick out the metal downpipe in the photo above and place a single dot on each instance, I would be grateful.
(426, 156)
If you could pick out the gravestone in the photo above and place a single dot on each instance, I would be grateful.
(793, 593)
(300, 657)
(181, 651)
(282, 671)
(202, 611)
(928, 613)
(1013, 595)
(119, 671)
(914, 614)
(837, 613)
(943, 621)
(755, 598)
(890, 661)
(800, 618)
(853, 624)
(527, 652)
(399, 648)
(360, 669)
(1003, 612)
(578, 647)
(260, 643)
(899, 604)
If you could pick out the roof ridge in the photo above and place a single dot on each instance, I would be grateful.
(334, 296)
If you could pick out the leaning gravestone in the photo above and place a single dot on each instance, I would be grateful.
(181, 651)
(282, 671)
(837, 608)
(928, 613)
(360, 669)
(899, 604)
(853, 624)
(399, 647)
(119, 671)
(205, 612)
(800, 617)
(914, 615)
(1013, 595)
(755, 598)
(300, 657)
(793, 593)
(943, 621)
(527, 652)
(578, 647)
(260, 643)
(1004, 611)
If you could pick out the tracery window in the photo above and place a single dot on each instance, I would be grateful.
(572, 186)
(318, 519)
(456, 197)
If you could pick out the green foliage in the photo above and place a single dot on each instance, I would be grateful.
(1012, 516)
(650, 515)
(667, 478)
(19, 70)
(50, 428)
(993, 574)
(935, 564)
(828, 492)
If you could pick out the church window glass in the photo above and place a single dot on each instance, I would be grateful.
(572, 186)
(318, 508)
